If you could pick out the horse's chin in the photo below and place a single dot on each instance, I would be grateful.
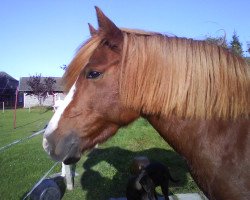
(74, 155)
(71, 160)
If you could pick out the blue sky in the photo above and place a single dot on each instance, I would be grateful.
(38, 36)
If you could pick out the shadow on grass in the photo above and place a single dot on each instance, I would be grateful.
(101, 187)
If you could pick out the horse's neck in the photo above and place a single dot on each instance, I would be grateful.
(213, 150)
(188, 137)
(177, 133)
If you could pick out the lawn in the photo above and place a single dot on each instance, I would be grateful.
(103, 172)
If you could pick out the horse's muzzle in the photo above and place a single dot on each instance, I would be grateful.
(65, 150)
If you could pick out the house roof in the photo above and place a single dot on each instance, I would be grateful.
(7, 82)
(24, 87)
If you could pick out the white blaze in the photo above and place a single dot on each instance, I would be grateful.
(53, 124)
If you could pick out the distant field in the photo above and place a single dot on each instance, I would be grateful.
(103, 173)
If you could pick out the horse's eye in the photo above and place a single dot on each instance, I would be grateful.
(93, 74)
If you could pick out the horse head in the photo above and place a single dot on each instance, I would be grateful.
(92, 110)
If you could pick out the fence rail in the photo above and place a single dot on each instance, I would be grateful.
(21, 140)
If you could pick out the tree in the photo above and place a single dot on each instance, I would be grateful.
(36, 87)
(248, 47)
(64, 67)
(235, 45)
(220, 41)
(40, 87)
(48, 84)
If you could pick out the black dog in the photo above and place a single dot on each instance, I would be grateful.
(142, 186)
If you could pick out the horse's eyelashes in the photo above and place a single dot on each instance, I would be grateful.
(106, 43)
(114, 47)
(110, 45)
(93, 74)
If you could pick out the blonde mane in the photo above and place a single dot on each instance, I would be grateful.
(168, 76)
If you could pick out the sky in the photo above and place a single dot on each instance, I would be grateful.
(39, 36)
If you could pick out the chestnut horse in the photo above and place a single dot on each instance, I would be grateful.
(195, 94)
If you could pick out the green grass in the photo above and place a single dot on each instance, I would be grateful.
(23, 164)
(26, 123)
(103, 173)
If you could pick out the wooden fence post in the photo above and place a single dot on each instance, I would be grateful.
(14, 123)
(67, 173)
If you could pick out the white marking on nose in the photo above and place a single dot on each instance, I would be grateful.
(53, 124)
(46, 146)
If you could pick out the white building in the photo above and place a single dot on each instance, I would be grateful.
(32, 101)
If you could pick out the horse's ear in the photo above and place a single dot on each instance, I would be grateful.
(92, 30)
(107, 26)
